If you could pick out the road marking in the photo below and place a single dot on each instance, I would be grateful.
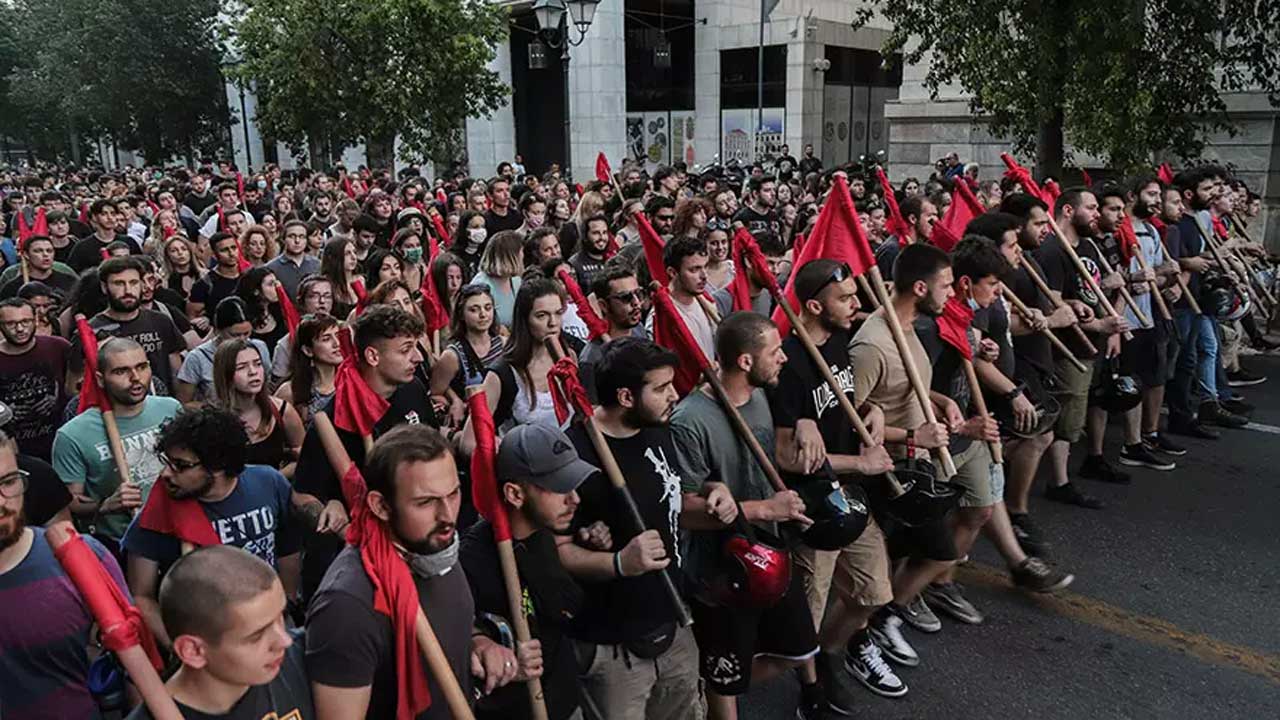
(1263, 428)
(1143, 628)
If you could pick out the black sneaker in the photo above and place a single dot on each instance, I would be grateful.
(1237, 406)
(813, 703)
(1069, 494)
(1028, 535)
(1244, 378)
(837, 683)
(1036, 575)
(1192, 429)
(886, 629)
(1096, 467)
(1157, 442)
(1211, 413)
(1139, 456)
(865, 661)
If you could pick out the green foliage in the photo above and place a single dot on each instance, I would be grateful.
(370, 70)
(1122, 79)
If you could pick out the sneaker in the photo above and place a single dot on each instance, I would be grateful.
(948, 598)
(1139, 456)
(1244, 378)
(1069, 494)
(919, 616)
(886, 630)
(1192, 429)
(1237, 406)
(813, 703)
(1028, 535)
(865, 661)
(1212, 413)
(1157, 442)
(1036, 575)
(1096, 467)
(837, 683)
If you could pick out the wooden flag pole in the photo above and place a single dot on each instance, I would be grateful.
(1058, 345)
(1209, 242)
(1157, 298)
(1182, 282)
(909, 364)
(866, 290)
(1250, 268)
(1143, 320)
(980, 403)
(1053, 299)
(1085, 275)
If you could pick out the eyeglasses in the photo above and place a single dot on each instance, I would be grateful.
(637, 295)
(14, 484)
(666, 218)
(15, 324)
(840, 274)
(177, 465)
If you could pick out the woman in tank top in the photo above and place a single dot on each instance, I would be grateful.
(313, 362)
(476, 347)
(239, 385)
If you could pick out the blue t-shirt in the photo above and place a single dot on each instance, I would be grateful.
(254, 517)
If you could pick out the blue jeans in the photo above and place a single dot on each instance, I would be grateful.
(1197, 367)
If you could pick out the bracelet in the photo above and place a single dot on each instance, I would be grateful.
(617, 565)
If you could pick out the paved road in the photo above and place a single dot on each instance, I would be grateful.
(1173, 614)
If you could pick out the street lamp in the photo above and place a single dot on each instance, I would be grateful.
(554, 18)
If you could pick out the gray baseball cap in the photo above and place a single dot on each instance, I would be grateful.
(543, 456)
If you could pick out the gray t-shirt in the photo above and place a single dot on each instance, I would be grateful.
(197, 367)
(708, 450)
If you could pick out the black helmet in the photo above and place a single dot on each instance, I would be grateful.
(1221, 297)
(1047, 411)
(1114, 392)
(924, 500)
(839, 513)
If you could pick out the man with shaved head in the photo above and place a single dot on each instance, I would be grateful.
(223, 608)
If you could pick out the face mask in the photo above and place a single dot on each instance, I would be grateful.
(477, 235)
(413, 255)
(435, 565)
(973, 304)
(262, 184)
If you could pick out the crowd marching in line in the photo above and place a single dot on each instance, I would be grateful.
(342, 445)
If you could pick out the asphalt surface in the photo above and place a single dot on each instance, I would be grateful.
(1173, 613)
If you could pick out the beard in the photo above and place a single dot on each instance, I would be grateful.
(180, 493)
(1083, 229)
(831, 325)
(128, 303)
(637, 417)
(19, 338)
(17, 523)
(925, 306)
(427, 545)
(757, 378)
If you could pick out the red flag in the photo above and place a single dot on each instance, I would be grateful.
(596, 325)
(39, 227)
(240, 185)
(963, 208)
(1165, 173)
(442, 236)
(1085, 177)
(1159, 225)
(653, 246)
(567, 394)
(288, 312)
(837, 234)
(747, 258)
(1023, 177)
(167, 232)
(1128, 240)
(119, 622)
(183, 519)
(356, 407)
(346, 187)
(894, 224)
(670, 332)
(106, 254)
(1220, 228)
(441, 196)
(578, 187)
(485, 494)
(433, 312)
(953, 326)
(603, 172)
(797, 245)
(91, 394)
(362, 296)
(1052, 191)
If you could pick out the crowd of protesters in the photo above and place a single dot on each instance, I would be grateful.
(213, 320)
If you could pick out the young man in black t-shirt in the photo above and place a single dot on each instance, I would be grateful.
(759, 215)
(221, 281)
(644, 664)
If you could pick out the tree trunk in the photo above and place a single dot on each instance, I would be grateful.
(1050, 149)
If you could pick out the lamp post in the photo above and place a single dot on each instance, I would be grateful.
(554, 18)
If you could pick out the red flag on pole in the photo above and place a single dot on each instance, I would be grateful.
(239, 185)
(1022, 176)
(603, 172)
(183, 519)
(346, 187)
(953, 326)
(748, 258)
(485, 493)
(837, 234)
(433, 312)
(39, 227)
(653, 247)
(1052, 191)
(91, 393)
(567, 394)
(1165, 173)
(963, 208)
(288, 312)
(1086, 178)
(362, 296)
(596, 325)
(1127, 239)
(895, 224)
(442, 236)
(670, 332)
(356, 407)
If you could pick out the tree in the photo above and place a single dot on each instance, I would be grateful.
(1121, 80)
(369, 71)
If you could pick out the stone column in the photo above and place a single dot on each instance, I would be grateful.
(598, 92)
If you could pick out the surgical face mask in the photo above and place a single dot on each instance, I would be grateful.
(973, 304)
(477, 235)
(434, 565)
(262, 184)
(413, 255)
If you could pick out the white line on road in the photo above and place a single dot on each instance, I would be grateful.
(1263, 428)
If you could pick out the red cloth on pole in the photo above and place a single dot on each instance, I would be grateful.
(596, 325)
(1023, 177)
(239, 186)
(288, 312)
(39, 227)
(1127, 239)
(1165, 173)
(356, 407)
(953, 326)
(442, 236)
(1051, 192)
(670, 332)
(91, 393)
(894, 223)
(837, 235)
(1086, 178)
(567, 393)
(121, 625)
(653, 246)
(433, 312)
(748, 258)
(346, 187)
(603, 172)
(485, 495)
(963, 208)
(183, 519)
(362, 296)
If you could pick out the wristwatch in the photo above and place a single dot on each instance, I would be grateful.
(1013, 394)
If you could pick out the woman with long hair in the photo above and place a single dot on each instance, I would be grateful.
(313, 364)
(181, 271)
(340, 264)
(591, 204)
(517, 387)
(691, 217)
(559, 213)
(163, 226)
(260, 291)
(720, 268)
(269, 221)
(257, 245)
(470, 238)
(448, 273)
(240, 386)
(625, 221)
(500, 269)
(283, 207)
(475, 348)
(382, 266)
(407, 245)
(540, 246)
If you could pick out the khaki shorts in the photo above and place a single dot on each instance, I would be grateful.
(976, 475)
(858, 572)
(1072, 392)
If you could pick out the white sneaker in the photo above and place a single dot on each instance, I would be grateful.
(868, 665)
(887, 632)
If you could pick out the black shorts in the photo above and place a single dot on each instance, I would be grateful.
(935, 541)
(1146, 356)
(729, 638)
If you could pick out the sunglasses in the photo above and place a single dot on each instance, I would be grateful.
(637, 295)
(839, 274)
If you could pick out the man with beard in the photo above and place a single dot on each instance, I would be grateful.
(322, 209)
(621, 298)
(82, 455)
(413, 489)
(32, 372)
(726, 204)
(685, 260)
(1077, 212)
(661, 211)
(759, 215)
(539, 473)
(87, 253)
(920, 216)
(212, 219)
(45, 632)
(739, 646)
(590, 258)
(221, 281)
(642, 664)
(203, 450)
(198, 197)
(122, 283)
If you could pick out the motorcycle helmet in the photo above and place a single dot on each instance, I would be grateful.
(924, 500)
(1114, 392)
(1221, 298)
(1047, 411)
(839, 513)
(754, 569)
